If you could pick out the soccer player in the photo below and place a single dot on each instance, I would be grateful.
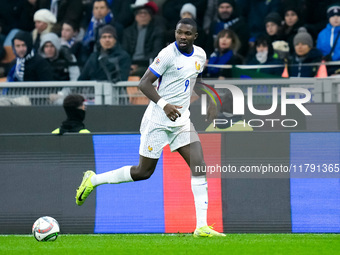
(166, 121)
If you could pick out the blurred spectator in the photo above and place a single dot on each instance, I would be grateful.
(28, 66)
(210, 14)
(171, 9)
(264, 56)
(144, 38)
(63, 63)
(328, 40)
(74, 106)
(292, 22)
(101, 15)
(70, 39)
(226, 47)
(188, 11)
(281, 49)
(304, 53)
(111, 63)
(71, 10)
(228, 18)
(273, 25)
(255, 11)
(25, 13)
(44, 20)
(122, 12)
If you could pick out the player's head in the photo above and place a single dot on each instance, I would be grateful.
(186, 33)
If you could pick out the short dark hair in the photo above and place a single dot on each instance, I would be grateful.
(188, 21)
(73, 24)
(73, 101)
(106, 3)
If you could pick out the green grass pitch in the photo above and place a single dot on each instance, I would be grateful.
(260, 244)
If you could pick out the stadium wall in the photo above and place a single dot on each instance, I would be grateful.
(39, 175)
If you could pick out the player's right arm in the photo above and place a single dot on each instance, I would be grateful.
(145, 85)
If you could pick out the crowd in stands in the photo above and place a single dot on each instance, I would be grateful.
(112, 40)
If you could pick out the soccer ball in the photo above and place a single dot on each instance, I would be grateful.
(45, 229)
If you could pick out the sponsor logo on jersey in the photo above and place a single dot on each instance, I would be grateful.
(149, 148)
(157, 61)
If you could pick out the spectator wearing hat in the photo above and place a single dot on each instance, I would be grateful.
(304, 53)
(44, 20)
(171, 10)
(28, 66)
(144, 38)
(292, 22)
(63, 63)
(188, 10)
(273, 25)
(328, 39)
(110, 63)
(228, 18)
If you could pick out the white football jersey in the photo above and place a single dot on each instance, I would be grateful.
(177, 73)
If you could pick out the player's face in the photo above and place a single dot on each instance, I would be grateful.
(271, 28)
(20, 48)
(334, 21)
(185, 36)
(49, 50)
(291, 18)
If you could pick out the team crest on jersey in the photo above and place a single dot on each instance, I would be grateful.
(157, 61)
(198, 66)
(150, 148)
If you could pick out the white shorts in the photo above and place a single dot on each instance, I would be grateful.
(155, 136)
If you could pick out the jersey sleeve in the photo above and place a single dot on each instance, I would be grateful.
(161, 62)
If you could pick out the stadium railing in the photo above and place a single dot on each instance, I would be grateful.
(323, 90)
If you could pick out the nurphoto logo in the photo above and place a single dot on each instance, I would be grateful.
(239, 106)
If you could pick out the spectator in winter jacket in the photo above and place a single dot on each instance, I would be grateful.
(101, 16)
(228, 18)
(110, 63)
(63, 63)
(69, 38)
(328, 40)
(292, 22)
(264, 56)
(144, 38)
(304, 53)
(28, 65)
(273, 25)
(227, 45)
(44, 21)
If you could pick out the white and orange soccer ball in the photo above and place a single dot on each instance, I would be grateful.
(45, 229)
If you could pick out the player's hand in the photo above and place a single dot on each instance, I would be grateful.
(171, 111)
